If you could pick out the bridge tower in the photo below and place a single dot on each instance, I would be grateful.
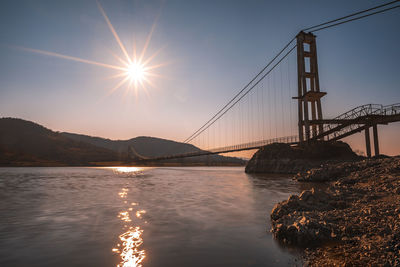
(309, 95)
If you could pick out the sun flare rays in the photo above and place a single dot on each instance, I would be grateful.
(134, 69)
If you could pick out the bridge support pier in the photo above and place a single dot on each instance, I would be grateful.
(376, 140)
(367, 142)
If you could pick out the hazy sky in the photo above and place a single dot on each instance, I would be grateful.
(213, 48)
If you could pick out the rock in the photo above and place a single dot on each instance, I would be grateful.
(306, 231)
(359, 211)
(334, 171)
(283, 158)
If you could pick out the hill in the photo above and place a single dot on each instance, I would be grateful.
(153, 147)
(25, 143)
(145, 146)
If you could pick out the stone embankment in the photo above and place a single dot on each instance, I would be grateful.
(354, 222)
(283, 158)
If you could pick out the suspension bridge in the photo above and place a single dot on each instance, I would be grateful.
(282, 104)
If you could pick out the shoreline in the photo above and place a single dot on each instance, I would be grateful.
(120, 164)
(354, 221)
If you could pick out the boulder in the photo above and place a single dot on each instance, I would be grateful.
(283, 158)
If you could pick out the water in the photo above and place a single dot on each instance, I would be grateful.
(201, 216)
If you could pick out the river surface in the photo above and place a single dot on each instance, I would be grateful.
(127, 216)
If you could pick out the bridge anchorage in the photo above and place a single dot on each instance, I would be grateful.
(310, 123)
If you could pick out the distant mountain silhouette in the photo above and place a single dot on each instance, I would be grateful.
(25, 143)
(153, 147)
(145, 146)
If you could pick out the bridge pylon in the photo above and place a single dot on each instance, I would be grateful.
(309, 94)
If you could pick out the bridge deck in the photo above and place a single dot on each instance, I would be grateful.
(291, 140)
(344, 125)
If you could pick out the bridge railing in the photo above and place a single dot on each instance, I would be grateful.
(352, 114)
(245, 146)
(358, 112)
(257, 144)
(391, 109)
(361, 111)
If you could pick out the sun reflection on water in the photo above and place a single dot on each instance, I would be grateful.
(127, 169)
(139, 213)
(124, 193)
(131, 255)
(124, 216)
(131, 239)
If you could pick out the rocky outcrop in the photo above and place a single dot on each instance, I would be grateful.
(330, 172)
(354, 222)
(283, 158)
(292, 226)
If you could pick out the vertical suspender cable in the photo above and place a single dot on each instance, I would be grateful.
(290, 102)
(263, 110)
(282, 108)
(275, 120)
(269, 109)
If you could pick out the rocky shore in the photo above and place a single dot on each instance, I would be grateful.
(355, 221)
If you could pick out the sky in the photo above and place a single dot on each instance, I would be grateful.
(206, 52)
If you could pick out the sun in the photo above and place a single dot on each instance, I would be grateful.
(136, 72)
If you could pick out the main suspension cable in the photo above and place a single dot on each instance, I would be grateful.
(351, 15)
(315, 28)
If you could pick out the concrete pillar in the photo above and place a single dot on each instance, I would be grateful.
(376, 140)
(367, 142)
(308, 87)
